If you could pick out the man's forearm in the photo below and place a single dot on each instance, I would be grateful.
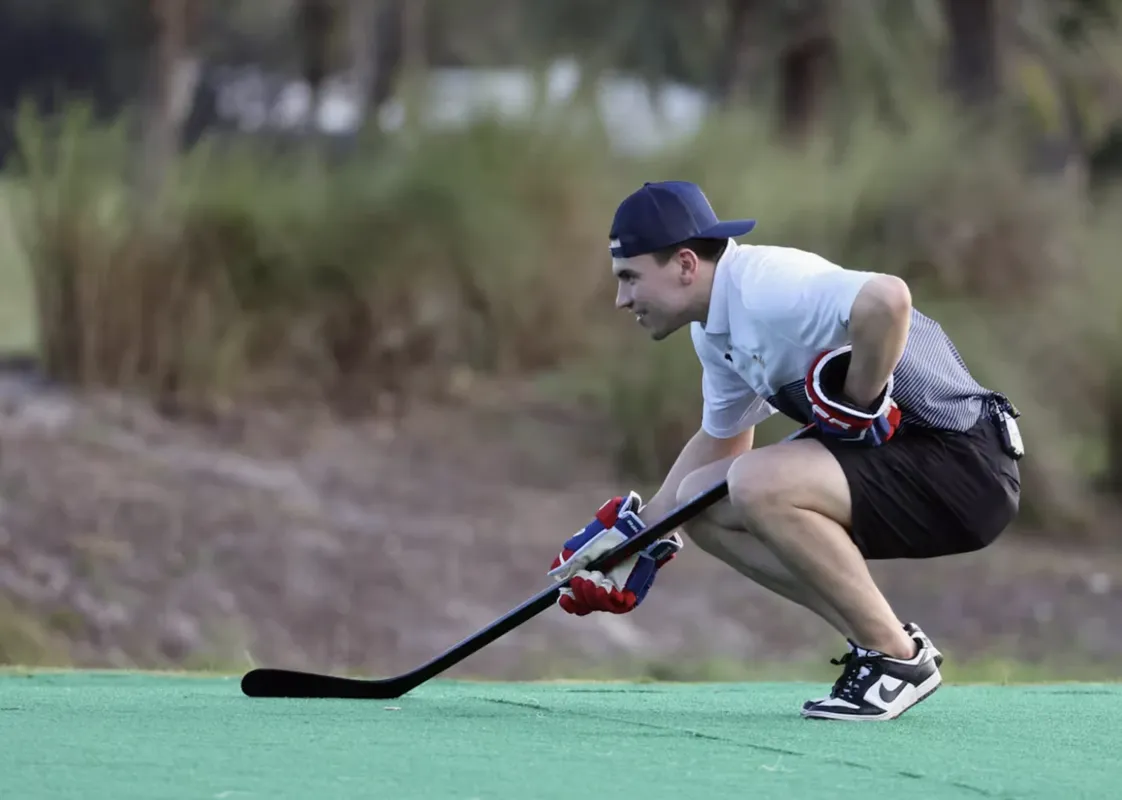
(700, 450)
(879, 325)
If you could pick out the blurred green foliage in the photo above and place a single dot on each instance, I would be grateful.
(299, 275)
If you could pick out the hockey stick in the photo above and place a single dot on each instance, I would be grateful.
(269, 682)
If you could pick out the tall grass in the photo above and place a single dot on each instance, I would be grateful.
(341, 279)
(26, 640)
(16, 296)
(263, 269)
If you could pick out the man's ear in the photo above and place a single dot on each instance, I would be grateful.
(687, 266)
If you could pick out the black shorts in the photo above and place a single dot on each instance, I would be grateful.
(928, 493)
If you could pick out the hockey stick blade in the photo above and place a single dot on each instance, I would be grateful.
(270, 682)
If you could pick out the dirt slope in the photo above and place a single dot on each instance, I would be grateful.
(302, 542)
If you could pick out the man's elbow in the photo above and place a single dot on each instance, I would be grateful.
(885, 297)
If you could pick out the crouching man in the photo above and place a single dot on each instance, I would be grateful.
(906, 455)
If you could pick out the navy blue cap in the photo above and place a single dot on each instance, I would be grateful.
(663, 214)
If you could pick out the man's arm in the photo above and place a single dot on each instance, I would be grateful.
(879, 324)
(823, 306)
(730, 409)
(701, 450)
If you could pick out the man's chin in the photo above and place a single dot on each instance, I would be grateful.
(658, 334)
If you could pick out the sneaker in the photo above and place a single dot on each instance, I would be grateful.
(916, 632)
(912, 630)
(875, 687)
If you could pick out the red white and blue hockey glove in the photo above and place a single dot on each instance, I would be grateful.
(838, 418)
(625, 585)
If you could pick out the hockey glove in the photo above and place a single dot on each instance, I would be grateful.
(838, 418)
(625, 585)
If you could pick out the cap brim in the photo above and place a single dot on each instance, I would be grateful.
(728, 229)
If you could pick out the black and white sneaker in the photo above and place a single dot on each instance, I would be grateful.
(916, 632)
(875, 687)
(912, 630)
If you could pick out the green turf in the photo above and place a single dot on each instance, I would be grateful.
(99, 736)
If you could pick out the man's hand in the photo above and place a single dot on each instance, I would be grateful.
(625, 585)
(838, 417)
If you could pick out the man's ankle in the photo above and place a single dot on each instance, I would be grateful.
(911, 651)
(903, 648)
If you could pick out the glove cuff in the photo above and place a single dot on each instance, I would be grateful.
(622, 514)
(826, 384)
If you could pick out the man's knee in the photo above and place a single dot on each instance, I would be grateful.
(757, 484)
(719, 515)
(796, 476)
(703, 479)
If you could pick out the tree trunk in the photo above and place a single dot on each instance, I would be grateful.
(375, 41)
(744, 53)
(316, 21)
(414, 58)
(362, 40)
(973, 59)
(806, 66)
(175, 73)
(388, 52)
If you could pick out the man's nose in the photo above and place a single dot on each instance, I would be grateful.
(623, 297)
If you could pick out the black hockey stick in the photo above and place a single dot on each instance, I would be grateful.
(268, 682)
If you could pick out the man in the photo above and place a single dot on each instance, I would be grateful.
(905, 455)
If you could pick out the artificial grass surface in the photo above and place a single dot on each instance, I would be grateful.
(98, 736)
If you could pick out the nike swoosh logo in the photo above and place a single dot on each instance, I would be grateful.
(890, 695)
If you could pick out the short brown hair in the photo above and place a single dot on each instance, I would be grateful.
(706, 249)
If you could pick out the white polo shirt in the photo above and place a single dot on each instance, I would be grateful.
(774, 309)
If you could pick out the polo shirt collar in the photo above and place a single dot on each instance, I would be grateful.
(717, 322)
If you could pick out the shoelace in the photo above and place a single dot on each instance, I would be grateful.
(846, 686)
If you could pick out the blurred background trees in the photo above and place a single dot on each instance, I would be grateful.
(797, 55)
(347, 200)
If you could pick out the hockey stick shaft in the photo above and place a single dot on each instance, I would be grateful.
(265, 682)
(548, 597)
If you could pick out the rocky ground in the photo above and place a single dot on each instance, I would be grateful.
(293, 540)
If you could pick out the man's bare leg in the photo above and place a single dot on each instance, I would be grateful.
(719, 532)
(785, 525)
(753, 560)
(793, 498)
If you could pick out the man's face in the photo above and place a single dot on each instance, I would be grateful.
(663, 297)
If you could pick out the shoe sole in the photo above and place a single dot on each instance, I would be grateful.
(924, 691)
